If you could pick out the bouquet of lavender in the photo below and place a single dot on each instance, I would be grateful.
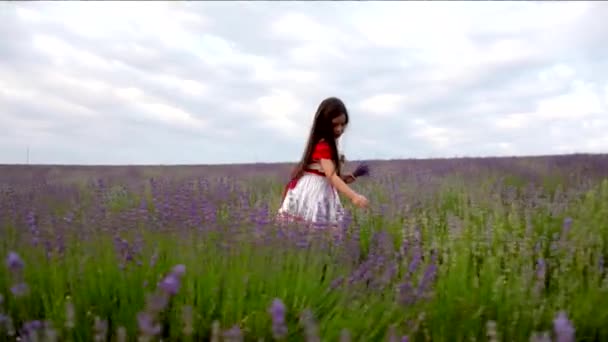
(362, 170)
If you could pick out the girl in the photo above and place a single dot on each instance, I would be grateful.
(312, 193)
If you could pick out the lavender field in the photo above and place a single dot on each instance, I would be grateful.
(492, 249)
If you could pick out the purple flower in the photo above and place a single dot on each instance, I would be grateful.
(70, 314)
(32, 327)
(540, 337)
(153, 259)
(30, 220)
(540, 268)
(566, 226)
(170, 284)
(416, 259)
(179, 270)
(20, 289)
(563, 328)
(310, 326)
(147, 325)
(14, 262)
(187, 318)
(406, 293)
(362, 170)
(157, 302)
(277, 313)
(336, 283)
(121, 334)
(101, 329)
(345, 335)
(233, 334)
(427, 278)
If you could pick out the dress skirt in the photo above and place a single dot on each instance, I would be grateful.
(312, 199)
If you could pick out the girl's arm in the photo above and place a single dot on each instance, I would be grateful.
(330, 172)
(348, 178)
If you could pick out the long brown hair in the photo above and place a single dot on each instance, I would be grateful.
(323, 129)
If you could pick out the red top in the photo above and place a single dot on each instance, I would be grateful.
(321, 151)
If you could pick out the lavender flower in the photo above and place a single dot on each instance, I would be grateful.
(70, 315)
(392, 334)
(492, 332)
(307, 321)
(101, 329)
(147, 325)
(154, 259)
(14, 262)
(187, 318)
(121, 334)
(405, 293)
(563, 328)
(9, 326)
(215, 331)
(416, 260)
(158, 301)
(277, 313)
(427, 278)
(179, 270)
(20, 289)
(170, 284)
(345, 336)
(50, 334)
(362, 170)
(566, 226)
(540, 269)
(233, 334)
(32, 329)
(336, 283)
(540, 337)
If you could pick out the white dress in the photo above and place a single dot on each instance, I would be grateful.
(312, 198)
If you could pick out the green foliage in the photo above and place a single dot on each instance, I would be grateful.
(489, 248)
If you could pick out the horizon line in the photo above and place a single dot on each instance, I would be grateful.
(596, 154)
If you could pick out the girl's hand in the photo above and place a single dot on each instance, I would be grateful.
(360, 201)
(348, 178)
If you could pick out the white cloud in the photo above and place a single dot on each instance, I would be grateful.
(169, 114)
(187, 86)
(438, 137)
(513, 121)
(279, 110)
(557, 73)
(290, 26)
(580, 103)
(382, 104)
(420, 79)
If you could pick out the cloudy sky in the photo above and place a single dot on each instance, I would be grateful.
(197, 82)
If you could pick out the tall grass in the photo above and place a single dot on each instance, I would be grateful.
(438, 258)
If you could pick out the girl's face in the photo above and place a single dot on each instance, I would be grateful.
(339, 124)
